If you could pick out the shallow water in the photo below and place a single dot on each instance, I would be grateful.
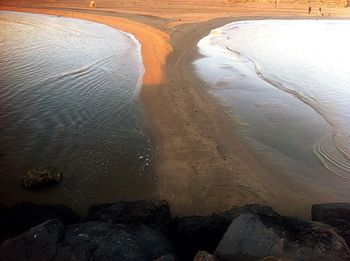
(68, 99)
(288, 84)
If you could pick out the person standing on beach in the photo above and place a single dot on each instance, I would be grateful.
(320, 10)
(309, 10)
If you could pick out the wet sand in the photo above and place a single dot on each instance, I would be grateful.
(201, 163)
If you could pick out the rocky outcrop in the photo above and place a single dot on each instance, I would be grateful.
(336, 215)
(22, 216)
(169, 257)
(330, 211)
(86, 241)
(255, 235)
(40, 177)
(273, 258)
(192, 234)
(120, 232)
(39, 243)
(154, 214)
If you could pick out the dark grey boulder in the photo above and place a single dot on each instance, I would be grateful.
(87, 241)
(273, 258)
(107, 241)
(192, 234)
(329, 211)
(254, 236)
(20, 217)
(336, 215)
(169, 257)
(41, 177)
(39, 243)
(154, 214)
(204, 256)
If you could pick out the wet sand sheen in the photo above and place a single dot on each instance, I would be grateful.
(204, 167)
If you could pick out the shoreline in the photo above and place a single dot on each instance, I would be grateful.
(204, 150)
(200, 168)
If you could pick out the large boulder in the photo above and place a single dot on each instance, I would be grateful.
(168, 257)
(154, 214)
(329, 211)
(19, 218)
(39, 243)
(336, 215)
(196, 233)
(107, 241)
(40, 177)
(86, 241)
(252, 236)
(273, 258)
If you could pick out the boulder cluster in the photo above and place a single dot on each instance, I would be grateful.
(144, 230)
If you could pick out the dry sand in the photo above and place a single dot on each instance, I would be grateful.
(201, 163)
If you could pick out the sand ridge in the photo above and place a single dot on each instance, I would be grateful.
(201, 163)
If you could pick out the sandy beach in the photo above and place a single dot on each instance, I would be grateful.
(201, 163)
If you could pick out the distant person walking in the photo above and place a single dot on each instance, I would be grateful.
(320, 10)
(309, 10)
(275, 3)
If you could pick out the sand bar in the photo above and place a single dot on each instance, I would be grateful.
(201, 164)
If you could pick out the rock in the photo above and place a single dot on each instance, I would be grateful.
(330, 211)
(192, 234)
(107, 241)
(169, 257)
(40, 177)
(273, 258)
(204, 256)
(336, 215)
(39, 243)
(87, 241)
(22, 216)
(253, 236)
(154, 214)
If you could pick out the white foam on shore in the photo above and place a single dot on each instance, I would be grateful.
(140, 60)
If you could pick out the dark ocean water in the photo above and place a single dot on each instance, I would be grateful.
(69, 99)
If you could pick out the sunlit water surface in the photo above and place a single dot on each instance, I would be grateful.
(288, 83)
(68, 99)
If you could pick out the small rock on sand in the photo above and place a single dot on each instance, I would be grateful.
(40, 177)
